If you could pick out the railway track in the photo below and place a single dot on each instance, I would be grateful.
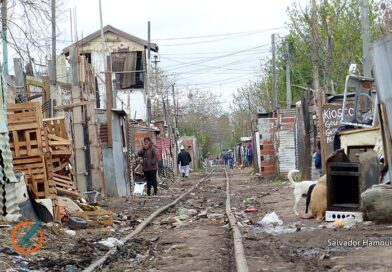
(207, 241)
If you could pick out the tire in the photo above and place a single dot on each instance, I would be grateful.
(76, 223)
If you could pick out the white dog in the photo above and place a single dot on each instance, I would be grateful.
(300, 188)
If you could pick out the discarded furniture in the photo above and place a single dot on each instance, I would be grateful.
(364, 113)
(343, 189)
(357, 141)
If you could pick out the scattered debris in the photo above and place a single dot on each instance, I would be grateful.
(70, 232)
(270, 220)
(111, 242)
(96, 218)
(251, 210)
(76, 223)
(189, 212)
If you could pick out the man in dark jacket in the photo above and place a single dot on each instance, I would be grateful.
(150, 164)
(184, 159)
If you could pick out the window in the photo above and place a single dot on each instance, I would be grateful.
(128, 70)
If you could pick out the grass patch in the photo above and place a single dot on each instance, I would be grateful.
(278, 180)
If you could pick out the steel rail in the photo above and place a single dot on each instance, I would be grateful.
(239, 254)
(92, 267)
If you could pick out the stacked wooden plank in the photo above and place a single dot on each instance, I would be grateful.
(61, 150)
(41, 149)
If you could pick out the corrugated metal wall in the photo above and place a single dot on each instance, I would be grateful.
(383, 70)
(286, 151)
(9, 204)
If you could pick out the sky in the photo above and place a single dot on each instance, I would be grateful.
(215, 45)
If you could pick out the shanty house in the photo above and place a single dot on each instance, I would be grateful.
(126, 57)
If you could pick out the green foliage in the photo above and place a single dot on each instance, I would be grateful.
(339, 43)
(278, 180)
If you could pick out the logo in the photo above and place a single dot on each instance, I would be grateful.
(27, 237)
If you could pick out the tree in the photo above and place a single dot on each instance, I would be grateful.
(201, 115)
(28, 26)
(246, 100)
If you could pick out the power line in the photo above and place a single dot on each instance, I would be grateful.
(199, 53)
(201, 56)
(175, 67)
(228, 80)
(208, 41)
(217, 35)
(210, 67)
(231, 63)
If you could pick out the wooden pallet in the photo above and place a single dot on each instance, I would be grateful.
(35, 170)
(56, 126)
(65, 186)
(24, 116)
(59, 146)
(25, 143)
(59, 166)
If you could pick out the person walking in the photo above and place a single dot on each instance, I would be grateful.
(317, 159)
(184, 159)
(150, 164)
(230, 162)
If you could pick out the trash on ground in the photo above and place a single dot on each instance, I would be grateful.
(189, 212)
(251, 210)
(111, 242)
(70, 232)
(270, 220)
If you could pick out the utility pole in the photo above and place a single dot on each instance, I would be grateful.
(71, 27)
(4, 23)
(319, 93)
(366, 55)
(101, 24)
(54, 70)
(175, 133)
(174, 106)
(274, 86)
(147, 83)
(315, 47)
(108, 81)
(157, 85)
(288, 78)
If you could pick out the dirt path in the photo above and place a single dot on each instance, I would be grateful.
(198, 242)
(308, 246)
(194, 235)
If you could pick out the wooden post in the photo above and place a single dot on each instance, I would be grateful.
(307, 173)
(96, 163)
(320, 99)
(78, 137)
(109, 106)
(19, 80)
